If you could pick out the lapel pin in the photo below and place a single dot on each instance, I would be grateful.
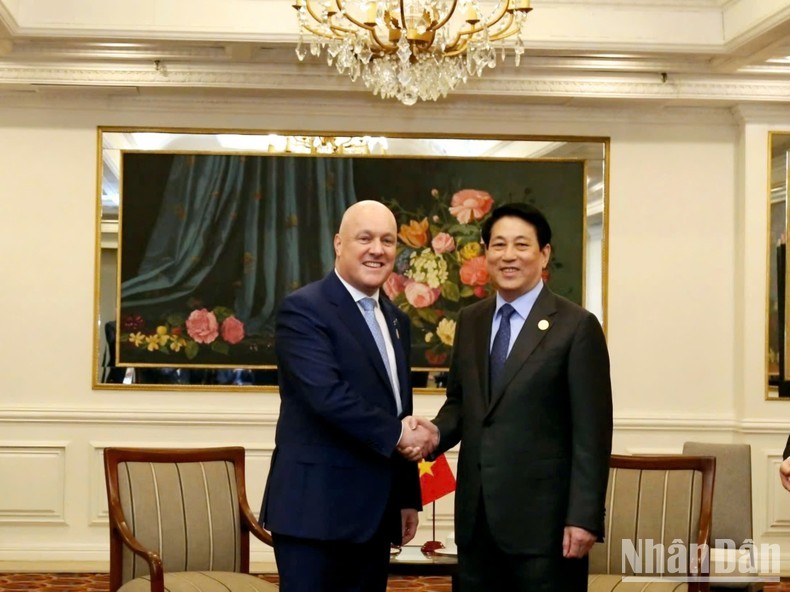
(543, 324)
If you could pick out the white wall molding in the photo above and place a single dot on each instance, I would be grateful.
(34, 483)
(763, 114)
(777, 510)
(682, 423)
(765, 426)
(314, 77)
(60, 553)
(158, 417)
(363, 113)
(243, 417)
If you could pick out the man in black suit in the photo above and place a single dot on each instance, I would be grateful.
(529, 398)
(340, 488)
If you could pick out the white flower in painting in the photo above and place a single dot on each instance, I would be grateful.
(446, 331)
(427, 268)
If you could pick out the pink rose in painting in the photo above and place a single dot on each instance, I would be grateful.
(421, 295)
(474, 272)
(443, 243)
(394, 285)
(202, 326)
(232, 330)
(470, 204)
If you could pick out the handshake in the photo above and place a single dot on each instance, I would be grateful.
(419, 439)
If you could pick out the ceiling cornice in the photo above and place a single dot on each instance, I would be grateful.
(578, 52)
(558, 88)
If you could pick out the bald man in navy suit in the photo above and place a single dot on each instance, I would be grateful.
(343, 483)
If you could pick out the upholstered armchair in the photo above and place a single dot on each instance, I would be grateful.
(658, 513)
(731, 522)
(179, 521)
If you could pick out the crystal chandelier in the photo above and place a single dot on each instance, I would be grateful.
(410, 49)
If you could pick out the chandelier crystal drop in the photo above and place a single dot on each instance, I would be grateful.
(410, 49)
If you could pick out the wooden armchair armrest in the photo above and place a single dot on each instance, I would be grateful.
(119, 525)
(253, 526)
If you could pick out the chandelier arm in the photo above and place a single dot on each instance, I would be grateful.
(477, 28)
(456, 52)
(506, 31)
(340, 29)
(317, 33)
(384, 48)
(458, 44)
(342, 6)
(308, 6)
(444, 21)
(503, 35)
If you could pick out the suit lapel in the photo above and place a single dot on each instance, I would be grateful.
(532, 333)
(397, 344)
(481, 325)
(351, 316)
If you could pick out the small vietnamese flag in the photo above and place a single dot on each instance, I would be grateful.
(436, 479)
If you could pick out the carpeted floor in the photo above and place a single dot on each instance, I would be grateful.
(75, 582)
(87, 582)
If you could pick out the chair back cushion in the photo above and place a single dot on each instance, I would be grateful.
(732, 496)
(647, 511)
(186, 511)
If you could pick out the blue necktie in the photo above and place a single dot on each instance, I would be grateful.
(500, 347)
(369, 307)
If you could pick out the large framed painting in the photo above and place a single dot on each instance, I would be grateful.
(778, 305)
(208, 242)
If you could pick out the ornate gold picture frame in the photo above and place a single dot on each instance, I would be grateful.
(212, 229)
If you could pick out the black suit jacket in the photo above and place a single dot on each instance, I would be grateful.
(537, 450)
(335, 472)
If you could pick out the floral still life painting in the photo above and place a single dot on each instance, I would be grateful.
(210, 245)
(440, 267)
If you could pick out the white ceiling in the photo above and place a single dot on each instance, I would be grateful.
(683, 52)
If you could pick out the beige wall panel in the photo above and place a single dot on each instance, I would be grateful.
(34, 481)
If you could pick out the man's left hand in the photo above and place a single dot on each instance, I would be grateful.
(577, 542)
(409, 521)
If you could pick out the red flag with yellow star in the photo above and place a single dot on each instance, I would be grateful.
(436, 479)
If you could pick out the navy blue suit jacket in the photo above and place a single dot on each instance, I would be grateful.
(335, 472)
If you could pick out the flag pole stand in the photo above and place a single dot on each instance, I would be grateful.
(432, 545)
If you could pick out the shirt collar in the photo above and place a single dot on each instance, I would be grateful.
(523, 304)
(357, 295)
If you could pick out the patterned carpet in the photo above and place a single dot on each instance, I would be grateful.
(76, 582)
(33, 582)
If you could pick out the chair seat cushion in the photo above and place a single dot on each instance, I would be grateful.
(203, 581)
(615, 583)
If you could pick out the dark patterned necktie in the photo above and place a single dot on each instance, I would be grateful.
(501, 343)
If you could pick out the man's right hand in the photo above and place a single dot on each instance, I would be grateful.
(419, 439)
